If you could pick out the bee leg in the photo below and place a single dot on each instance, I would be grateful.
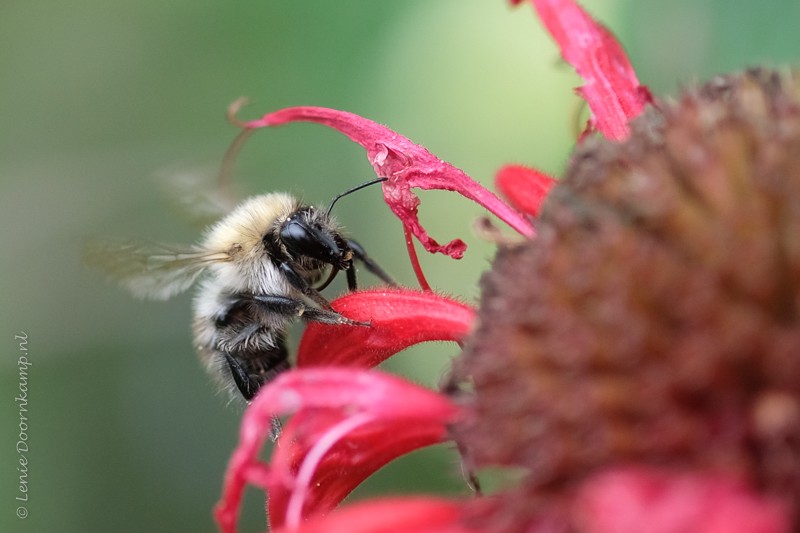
(361, 254)
(242, 336)
(292, 307)
(253, 365)
(296, 281)
(246, 384)
(352, 284)
(228, 310)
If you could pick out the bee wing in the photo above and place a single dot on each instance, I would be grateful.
(195, 194)
(153, 271)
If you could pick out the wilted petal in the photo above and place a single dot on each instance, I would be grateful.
(526, 188)
(391, 515)
(612, 89)
(399, 318)
(406, 165)
(331, 403)
(639, 499)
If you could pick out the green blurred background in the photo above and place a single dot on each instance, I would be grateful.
(100, 100)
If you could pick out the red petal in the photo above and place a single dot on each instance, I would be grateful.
(406, 165)
(331, 402)
(409, 515)
(526, 188)
(612, 90)
(399, 318)
(325, 469)
(638, 499)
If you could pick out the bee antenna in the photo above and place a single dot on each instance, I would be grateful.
(354, 189)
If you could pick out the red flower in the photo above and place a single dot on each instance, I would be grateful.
(406, 165)
(612, 90)
(348, 422)
(399, 318)
(525, 188)
(413, 515)
(639, 499)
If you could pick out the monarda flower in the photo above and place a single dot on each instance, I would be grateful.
(635, 358)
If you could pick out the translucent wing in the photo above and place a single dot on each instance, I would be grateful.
(196, 194)
(149, 270)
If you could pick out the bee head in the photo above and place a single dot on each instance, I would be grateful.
(309, 233)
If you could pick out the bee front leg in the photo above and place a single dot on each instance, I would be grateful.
(373, 267)
(293, 307)
(296, 281)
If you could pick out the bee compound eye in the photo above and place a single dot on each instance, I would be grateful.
(303, 240)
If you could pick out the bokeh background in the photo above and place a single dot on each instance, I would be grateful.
(102, 102)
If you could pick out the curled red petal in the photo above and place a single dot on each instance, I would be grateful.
(612, 89)
(327, 400)
(399, 318)
(390, 515)
(321, 483)
(406, 165)
(526, 188)
(640, 499)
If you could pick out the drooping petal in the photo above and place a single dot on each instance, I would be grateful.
(526, 188)
(399, 318)
(640, 499)
(406, 165)
(390, 515)
(332, 402)
(612, 89)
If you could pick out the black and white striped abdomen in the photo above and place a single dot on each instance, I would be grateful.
(229, 326)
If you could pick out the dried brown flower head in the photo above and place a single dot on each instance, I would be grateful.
(655, 319)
